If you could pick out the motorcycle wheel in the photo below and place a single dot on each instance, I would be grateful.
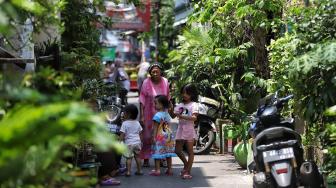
(204, 142)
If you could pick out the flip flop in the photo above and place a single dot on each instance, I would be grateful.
(186, 176)
(182, 172)
(139, 173)
(109, 182)
(154, 173)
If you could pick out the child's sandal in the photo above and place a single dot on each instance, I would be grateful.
(182, 172)
(186, 177)
(154, 173)
(109, 182)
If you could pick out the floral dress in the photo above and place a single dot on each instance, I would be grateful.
(164, 145)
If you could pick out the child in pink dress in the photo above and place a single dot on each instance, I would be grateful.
(186, 112)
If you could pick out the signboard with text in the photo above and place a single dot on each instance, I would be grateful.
(128, 16)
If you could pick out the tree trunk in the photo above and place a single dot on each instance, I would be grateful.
(259, 40)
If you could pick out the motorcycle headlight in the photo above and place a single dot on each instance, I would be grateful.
(113, 113)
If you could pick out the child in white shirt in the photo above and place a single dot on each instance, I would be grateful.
(131, 135)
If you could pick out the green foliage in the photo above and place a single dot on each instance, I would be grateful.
(40, 121)
(33, 146)
(81, 41)
(80, 32)
(17, 11)
(229, 52)
(303, 62)
(193, 61)
(166, 19)
(312, 73)
(239, 131)
(329, 144)
(82, 65)
(46, 85)
(49, 81)
(41, 127)
(166, 29)
(225, 44)
(282, 52)
(309, 25)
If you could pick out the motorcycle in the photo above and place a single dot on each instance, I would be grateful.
(209, 111)
(277, 149)
(85, 154)
(113, 106)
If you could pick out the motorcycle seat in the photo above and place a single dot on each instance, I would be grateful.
(206, 100)
(271, 133)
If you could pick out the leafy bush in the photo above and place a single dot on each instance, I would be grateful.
(40, 121)
(312, 73)
(303, 62)
(225, 43)
(41, 126)
(43, 12)
(329, 145)
(33, 146)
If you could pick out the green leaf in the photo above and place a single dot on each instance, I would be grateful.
(31, 6)
(249, 76)
(331, 111)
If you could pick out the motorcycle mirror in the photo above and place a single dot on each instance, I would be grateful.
(276, 94)
(266, 100)
(275, 97)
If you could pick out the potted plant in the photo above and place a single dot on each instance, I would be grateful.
(240, 150)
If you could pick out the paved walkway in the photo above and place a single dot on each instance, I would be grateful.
(208, 171)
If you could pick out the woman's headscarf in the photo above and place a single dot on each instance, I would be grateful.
(158, 65)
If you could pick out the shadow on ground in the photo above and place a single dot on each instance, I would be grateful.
(147, 181)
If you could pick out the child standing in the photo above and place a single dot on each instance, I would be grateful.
(131, 135)
(186, 112)
(163, 139)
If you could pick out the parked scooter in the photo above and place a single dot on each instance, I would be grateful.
(209, 111)
(278, 151)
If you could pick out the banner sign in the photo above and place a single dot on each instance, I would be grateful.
(108, 53)
(127, 16)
